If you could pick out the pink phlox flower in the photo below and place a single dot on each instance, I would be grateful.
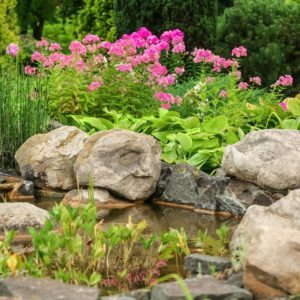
(202, 55)
(178, 48)
(144, 32)
(117, 50)
(166, 81)
(152, 40)
(12, 49)
(238, 75)
(55, 47)
(77, 48)
(239, 51)
(243, 85)
(38, 56)
(256, 80)
(90, 39)
(159, 70)
(179, 70)
(283, 105)
(80, 65)
(55, 57)
(163, 46)
(48, 63)
(223, 94)
(42, 43)
(94, 86)
(100, 59)
(285, 80)
(153, 53)
(124, 68)
(28, 70)
(104, 45)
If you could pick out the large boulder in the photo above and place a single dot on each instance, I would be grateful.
(47, 159)
(270, 238)
(269, 158)
(20, 215)
(124, 162)
(28, 288)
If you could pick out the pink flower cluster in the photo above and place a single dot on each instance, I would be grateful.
(167, 99)
(12, 50)
(239, 51)
(256, 80)
(285, 80)
(28, 70)
(218, 62)
(94, 86)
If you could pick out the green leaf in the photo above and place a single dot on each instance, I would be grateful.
(94, 279)
(184, 140)
(169, 156)
(293, 105)
(231, 137)
(215, 125)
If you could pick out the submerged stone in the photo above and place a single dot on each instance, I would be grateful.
(201, 289)
(205, 264)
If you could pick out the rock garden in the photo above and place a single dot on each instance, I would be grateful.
(141, 168)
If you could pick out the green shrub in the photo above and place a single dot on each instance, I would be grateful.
(8, 23)
(97, 17)
(197, 19)
(270, 30)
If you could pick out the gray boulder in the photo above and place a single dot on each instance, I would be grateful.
(201, 289)
(20, 215)
(47, 159)
(44, 289)
(269, 158)
(124, 162)
(269, 237)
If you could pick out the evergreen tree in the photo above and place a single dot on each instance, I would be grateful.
(196, 18)
(97, 17)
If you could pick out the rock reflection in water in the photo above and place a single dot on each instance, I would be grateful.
(161, 219)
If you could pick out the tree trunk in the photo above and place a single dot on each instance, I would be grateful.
(38, 29)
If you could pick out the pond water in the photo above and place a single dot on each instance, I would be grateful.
(161, 218)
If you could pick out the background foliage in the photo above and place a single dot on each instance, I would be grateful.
(270, 30)
(197, 19)
(8, 22)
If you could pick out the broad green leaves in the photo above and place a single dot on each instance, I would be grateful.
(182, 139)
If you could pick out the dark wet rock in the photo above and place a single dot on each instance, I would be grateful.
(231, 205)
(20, 215)
(185, 185)
(165, 174)
(209, 188)
(25, 288)
(182, 185)
(200, 288)
(235, 279)
(205, 264)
